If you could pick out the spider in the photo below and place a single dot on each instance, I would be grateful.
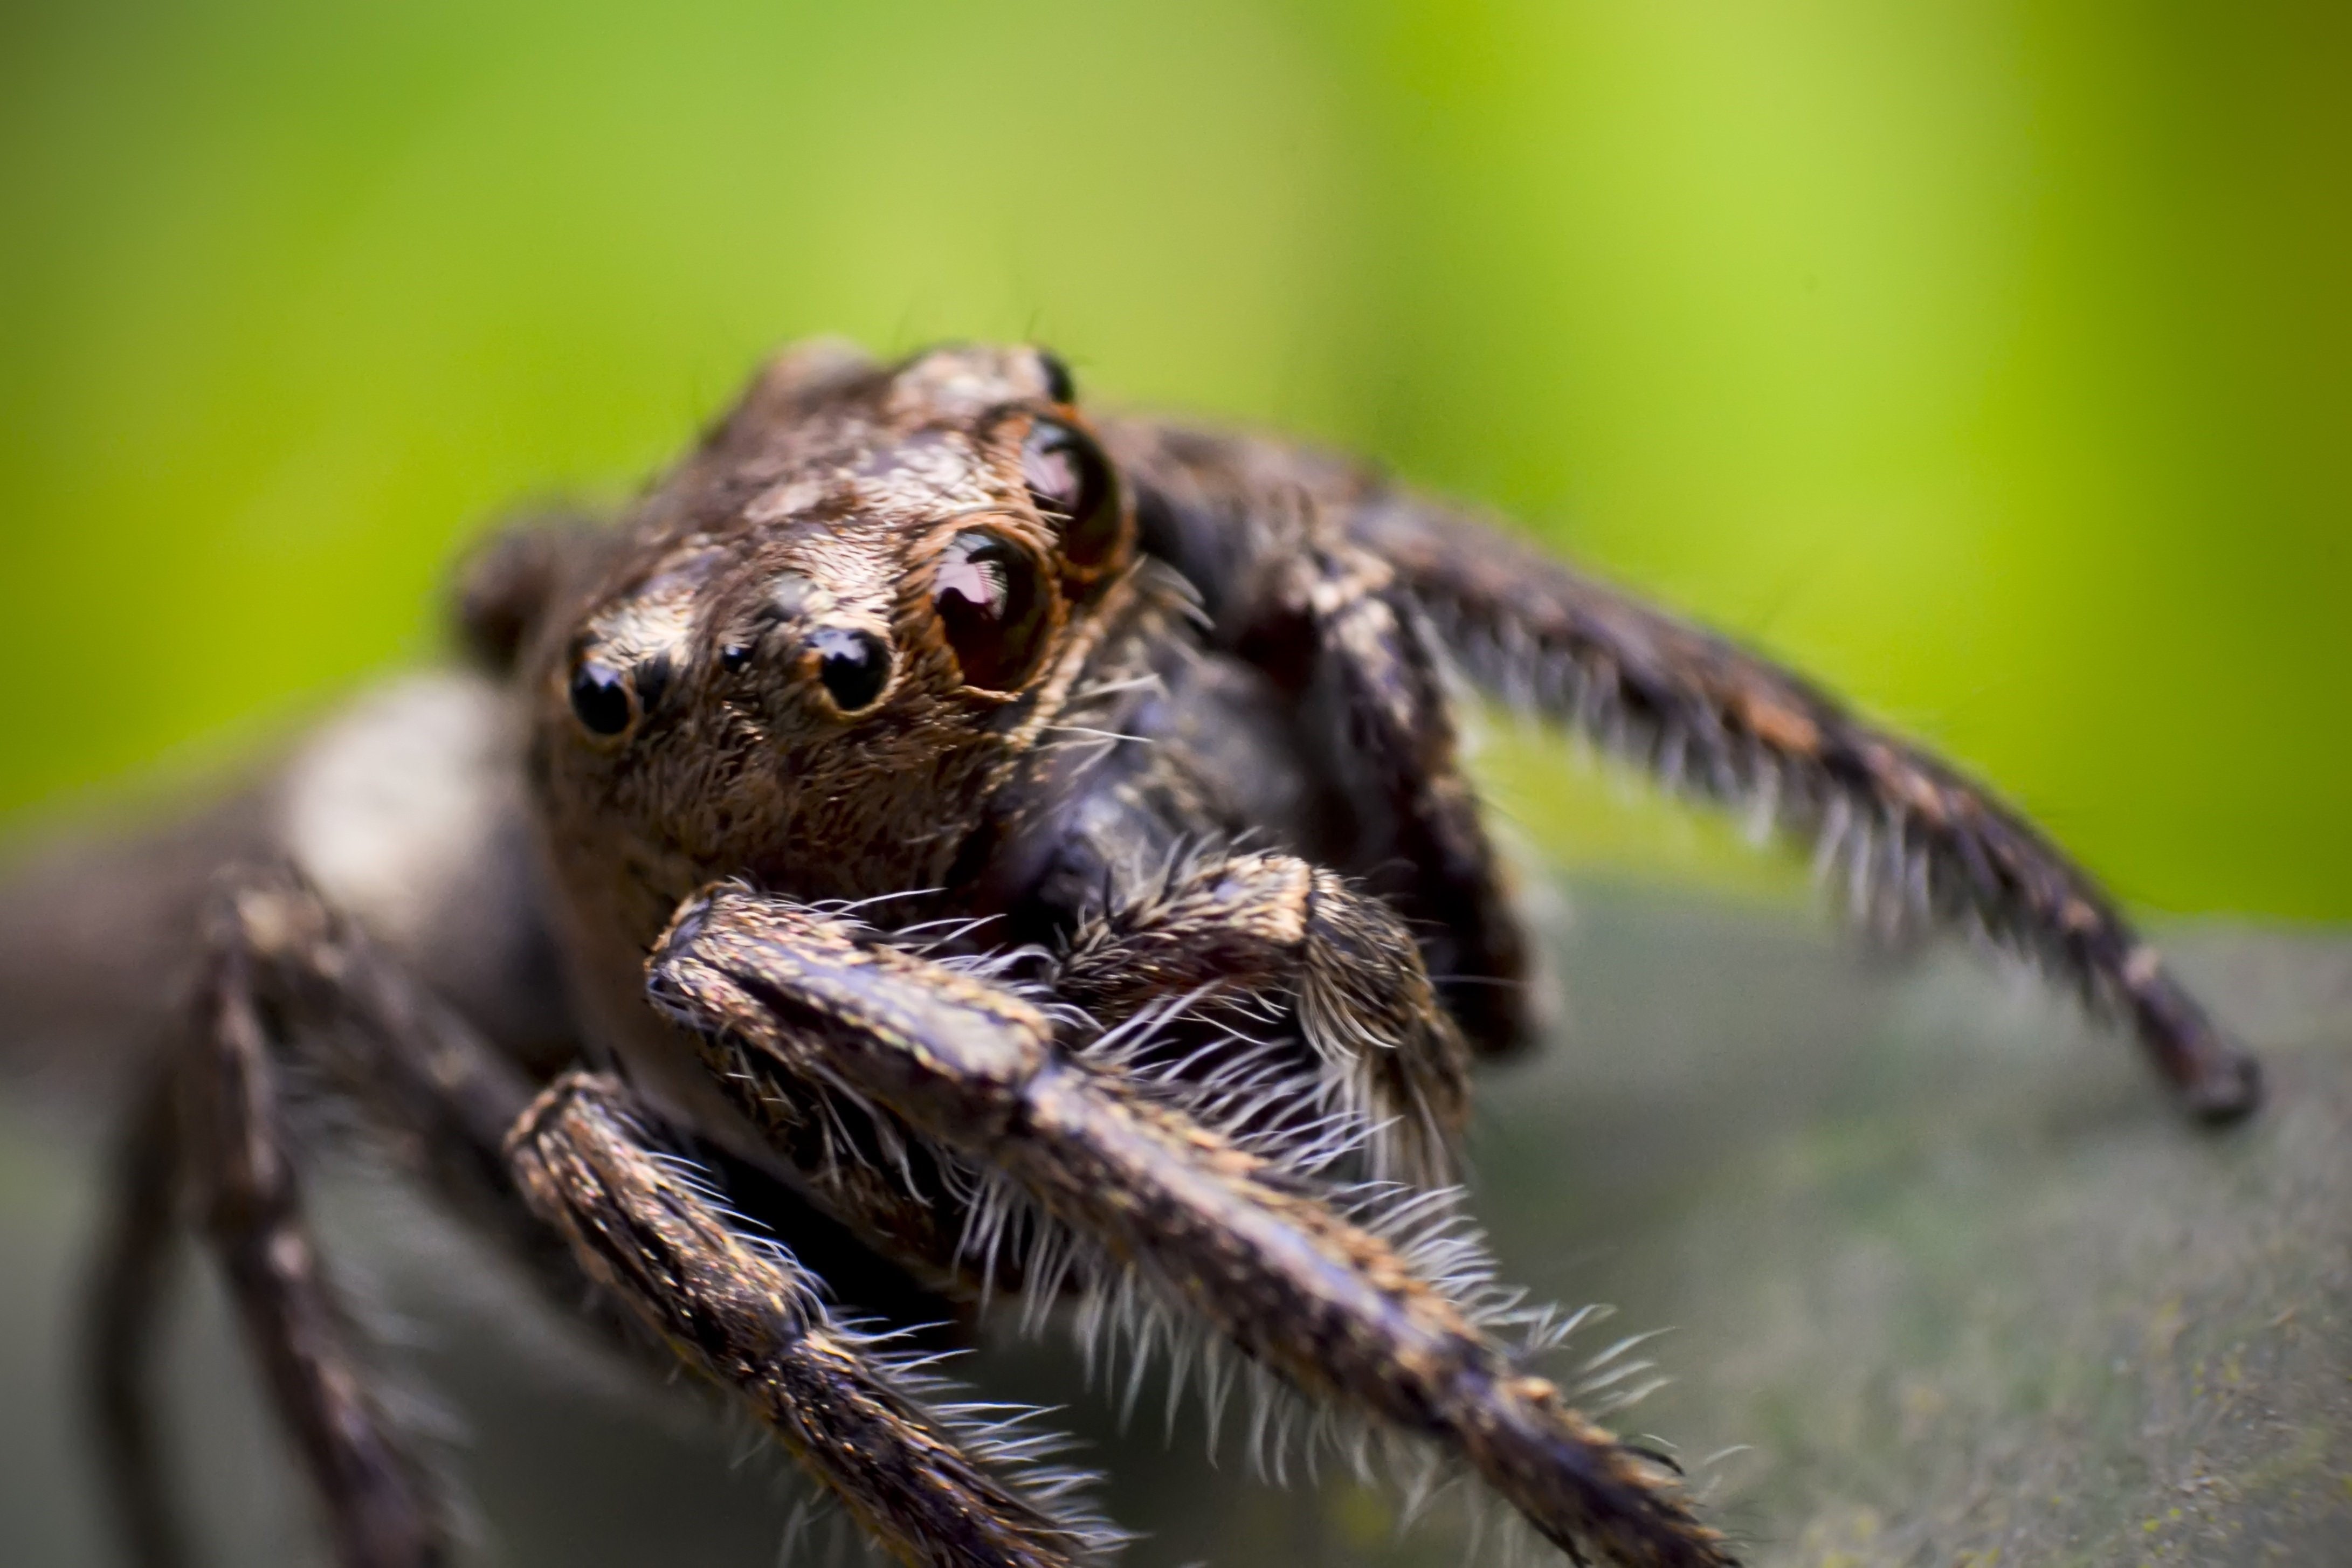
(943, 853)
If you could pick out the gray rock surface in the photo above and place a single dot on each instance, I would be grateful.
(1937, 1255)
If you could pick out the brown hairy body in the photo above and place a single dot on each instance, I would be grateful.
(938, 853)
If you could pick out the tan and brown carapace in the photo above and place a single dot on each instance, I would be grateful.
(944, 852)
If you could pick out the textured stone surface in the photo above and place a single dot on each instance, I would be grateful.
(1937, 1255)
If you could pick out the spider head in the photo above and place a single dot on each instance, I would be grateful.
(806, 652)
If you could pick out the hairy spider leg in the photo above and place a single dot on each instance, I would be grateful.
(1259, 932)
(384, 1507)
(289, 980)
(937, 1486)
(1288, 590)
(1914, 839)
(1227, 1236)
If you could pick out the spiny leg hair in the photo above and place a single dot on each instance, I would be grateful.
(1330, 1306)
(1915, 839)
(1319, 614)
(1376, 685)
(1259, 932)
(437, 1099)
(944, 1487)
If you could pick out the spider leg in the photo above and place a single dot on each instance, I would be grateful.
(1292, 594)
(130, 1284)
(743, 1311)
(1915, 839)
(383, 1509)
(285, 981)
(1374, 688)
(1219, 1232)
(1246, 928)
(291, 982)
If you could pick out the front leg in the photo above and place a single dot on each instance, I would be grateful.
(1222, 1235)
(292, 985)
(741, 1311)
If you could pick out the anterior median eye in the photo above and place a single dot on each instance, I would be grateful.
(852, 666)
(991, 608)
(1070, 482)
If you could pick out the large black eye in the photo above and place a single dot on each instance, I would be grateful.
(853, 666)
(993, 608)
(600, 698)
(1070, 481)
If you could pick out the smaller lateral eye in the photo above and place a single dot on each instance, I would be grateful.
(600, 698)
(993, 608)
(1060, 385)
(1070, 482)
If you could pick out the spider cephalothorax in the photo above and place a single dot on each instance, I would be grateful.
(1022, 860)
(816, 649)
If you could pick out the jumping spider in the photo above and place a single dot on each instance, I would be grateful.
(988, 853)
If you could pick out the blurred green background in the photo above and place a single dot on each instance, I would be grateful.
(1993, 361)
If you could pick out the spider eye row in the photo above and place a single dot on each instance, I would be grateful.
(992, 594)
